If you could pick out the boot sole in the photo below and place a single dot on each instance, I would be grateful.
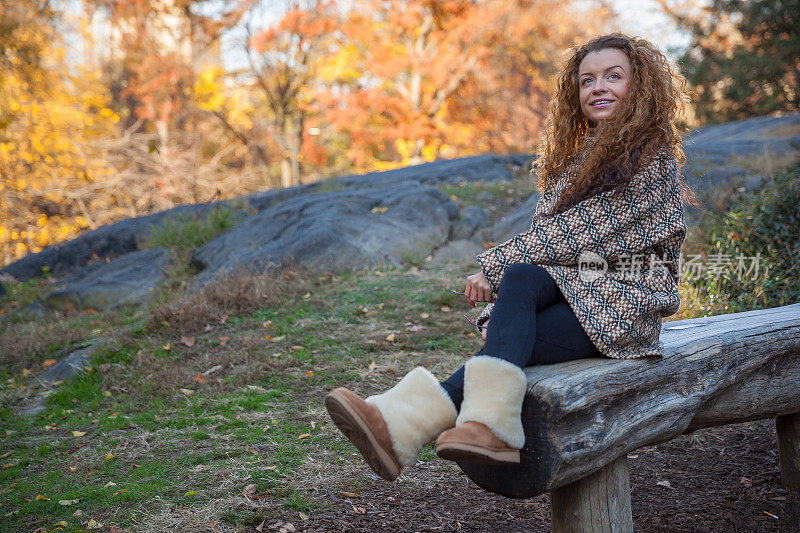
(356, 429)
(463, 452)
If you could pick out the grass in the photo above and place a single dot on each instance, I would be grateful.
(153, 438)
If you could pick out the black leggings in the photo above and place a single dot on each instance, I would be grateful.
(531, 324)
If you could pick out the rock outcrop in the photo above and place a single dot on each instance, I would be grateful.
(339, 230)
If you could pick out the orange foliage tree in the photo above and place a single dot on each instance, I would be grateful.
(413, 80)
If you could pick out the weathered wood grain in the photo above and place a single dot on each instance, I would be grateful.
(599, 502)
(787, 428)
(579, 416)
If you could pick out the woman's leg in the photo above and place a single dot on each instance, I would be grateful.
(531, 324)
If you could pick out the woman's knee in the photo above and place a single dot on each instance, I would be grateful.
(522, 275)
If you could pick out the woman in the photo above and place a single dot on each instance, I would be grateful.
(593, 277)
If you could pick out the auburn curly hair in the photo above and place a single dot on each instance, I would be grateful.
(643, 124)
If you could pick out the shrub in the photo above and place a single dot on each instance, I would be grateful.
(765, 225)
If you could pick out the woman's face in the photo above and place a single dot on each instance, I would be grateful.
(603, 80)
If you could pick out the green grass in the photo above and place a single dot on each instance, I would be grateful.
(177, 441)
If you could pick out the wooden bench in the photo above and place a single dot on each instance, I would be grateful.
(582, 417)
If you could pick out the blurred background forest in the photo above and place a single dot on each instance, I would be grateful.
(117, 108)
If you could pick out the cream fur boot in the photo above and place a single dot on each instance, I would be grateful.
(416, 411)
(390, 429)
(493, 393)
(489, 427)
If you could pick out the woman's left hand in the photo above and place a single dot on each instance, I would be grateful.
(478, 289)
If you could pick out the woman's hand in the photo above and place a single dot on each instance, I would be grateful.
(478, 289)
(485, 328)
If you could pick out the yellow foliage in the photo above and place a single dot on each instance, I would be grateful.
(49, 119)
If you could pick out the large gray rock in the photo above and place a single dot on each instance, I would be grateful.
(336, 231)
(515, 222)
(461, 251)
(472, 219)
(128, 280)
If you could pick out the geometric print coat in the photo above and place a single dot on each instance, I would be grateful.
(615, 258)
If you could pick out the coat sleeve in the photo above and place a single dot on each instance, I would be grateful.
(645, 213)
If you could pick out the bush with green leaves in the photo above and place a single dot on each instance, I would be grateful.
(767, 225)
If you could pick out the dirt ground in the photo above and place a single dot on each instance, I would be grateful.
(717, 479)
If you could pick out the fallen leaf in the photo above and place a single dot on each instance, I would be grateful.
(78, 433)
(267, 324)
(191, 493)
(372, 366)
(391, 337)
(304, 436)
(6, 454)
(167, 347)
(664, 484)
(187, 341)
(424, 315)
(249, 490)
(208, 327)
(379, 210)
(303, 516)
(109, 456)
(359, 510)
(310, 373)
(223, 318)
(40, 497)
(634, 456)
(471, 335)
(77, 513)
(94, 524)
(306, 296)
(187, 392)
(199, 378)
(67, 502)
(49, 362)
(297, 348)
(62, 523)
(348, 494)
(110, 484)
(445, 309)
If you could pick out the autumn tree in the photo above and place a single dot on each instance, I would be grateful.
(413, 80)
(50, 117)
(155, 51)
(744, 56)
(284, 62)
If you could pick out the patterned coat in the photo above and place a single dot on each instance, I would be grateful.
(637, 234)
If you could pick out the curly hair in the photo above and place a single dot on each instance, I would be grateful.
(606, 155)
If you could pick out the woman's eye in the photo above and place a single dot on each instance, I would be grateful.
(614, 76)
(585, 80)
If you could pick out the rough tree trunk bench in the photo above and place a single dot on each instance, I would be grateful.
(582, 417)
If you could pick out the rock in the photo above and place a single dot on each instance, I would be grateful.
(481, 168)
(335, 231)
(2, 290)
(127, 280)
(67, 368)
(515, 222)
(460, 251)
(122, 237)
(32, 311)
(472, 219)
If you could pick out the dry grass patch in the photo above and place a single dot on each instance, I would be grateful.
(236, 291)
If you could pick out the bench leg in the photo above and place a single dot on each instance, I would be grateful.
(787, 428)
(599, 502)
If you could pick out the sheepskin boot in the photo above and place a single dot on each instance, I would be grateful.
(488, 428)
(390, 429)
